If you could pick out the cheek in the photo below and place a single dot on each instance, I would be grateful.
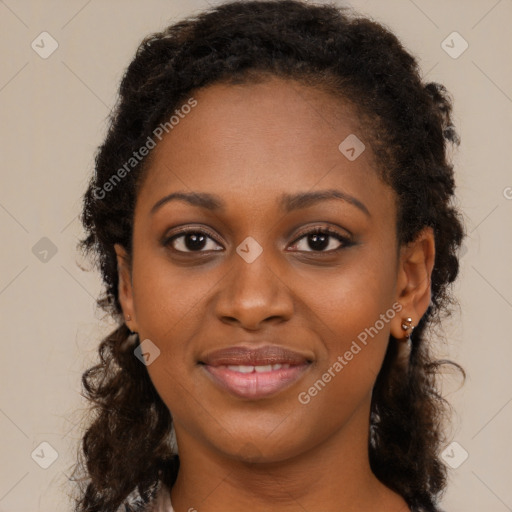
(352, 298)
(169, 305)
(168, 299)
(354, 313)
(351, 358)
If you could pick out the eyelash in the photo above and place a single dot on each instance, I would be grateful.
(345, 241)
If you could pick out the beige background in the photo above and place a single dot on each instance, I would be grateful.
(53, 114)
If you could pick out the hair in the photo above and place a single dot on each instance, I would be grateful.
(126, 448)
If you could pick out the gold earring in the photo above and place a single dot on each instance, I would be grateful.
(408, 327)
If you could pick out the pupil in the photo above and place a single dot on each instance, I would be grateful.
(319, 241)
(194, 241)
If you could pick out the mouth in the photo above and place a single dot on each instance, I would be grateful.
(255, 373)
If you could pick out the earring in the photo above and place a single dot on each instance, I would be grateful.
(408, 327)
(127, 319)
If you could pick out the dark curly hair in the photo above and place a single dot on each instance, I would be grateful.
(126, 447)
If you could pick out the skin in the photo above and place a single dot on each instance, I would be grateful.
(249, 144)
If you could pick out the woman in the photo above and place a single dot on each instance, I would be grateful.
(272, 216)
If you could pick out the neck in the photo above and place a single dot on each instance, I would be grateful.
(331, 476)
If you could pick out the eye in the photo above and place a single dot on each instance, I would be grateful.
(191, 240)
(198, 240)
(321, 238)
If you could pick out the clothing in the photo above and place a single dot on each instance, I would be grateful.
(162, 503)
(159, 501)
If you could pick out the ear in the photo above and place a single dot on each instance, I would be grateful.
(125, 290)
(413, 289)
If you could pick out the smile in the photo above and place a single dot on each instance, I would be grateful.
(255, 382)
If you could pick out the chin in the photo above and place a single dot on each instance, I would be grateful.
(263, 447)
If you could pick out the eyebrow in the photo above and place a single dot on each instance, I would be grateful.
(287, 202)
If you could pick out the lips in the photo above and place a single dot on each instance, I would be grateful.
(261, 356)
(254, 373)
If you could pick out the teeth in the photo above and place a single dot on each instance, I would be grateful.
(261, 369)
(257, 369)
(242, 369)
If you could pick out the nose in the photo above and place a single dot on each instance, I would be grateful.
(253, 293)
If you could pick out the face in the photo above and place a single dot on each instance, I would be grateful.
(284, 242)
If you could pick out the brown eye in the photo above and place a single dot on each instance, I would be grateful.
(321, 239)
(191, 241)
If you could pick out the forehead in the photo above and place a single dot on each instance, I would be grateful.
(251, 140)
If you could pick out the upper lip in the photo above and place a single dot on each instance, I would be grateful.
(250, 356)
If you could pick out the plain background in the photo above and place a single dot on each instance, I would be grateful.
(53, 116)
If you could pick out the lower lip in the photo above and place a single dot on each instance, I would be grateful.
(255, 385)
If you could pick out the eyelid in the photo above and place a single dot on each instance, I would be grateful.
(167, 239)
(191, 229)
(326, 228)
(345, 240)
